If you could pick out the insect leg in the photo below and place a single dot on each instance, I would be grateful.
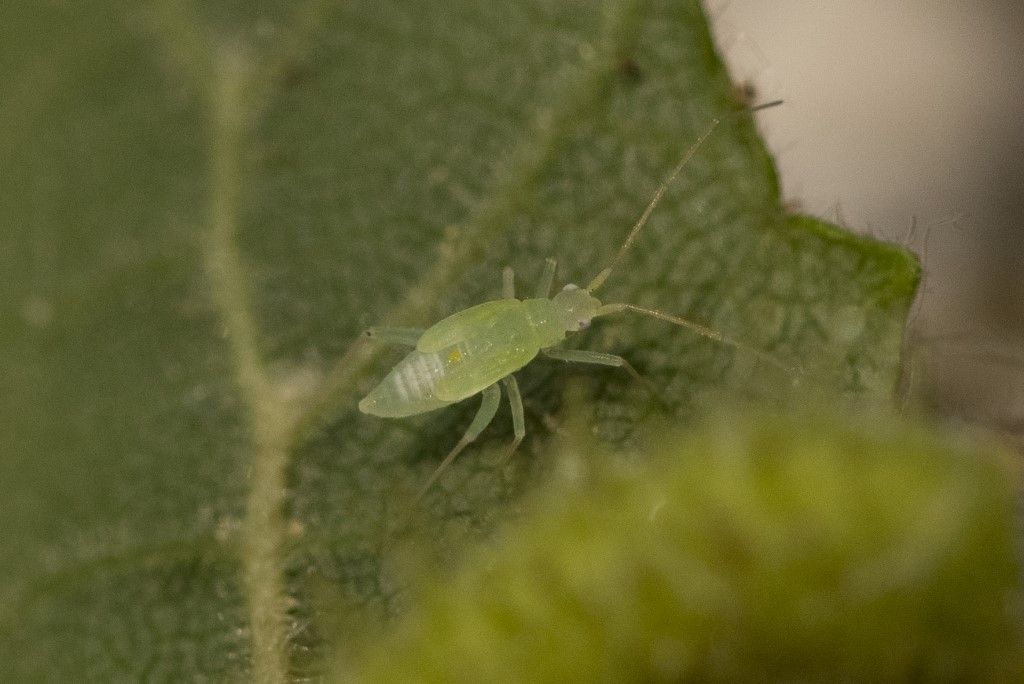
(404, 336)
(488, 407)
(508, 283)
(547, 279)
(592, 357)
(600, 359)
(515, 401)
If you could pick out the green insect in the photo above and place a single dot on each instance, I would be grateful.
(476, 350)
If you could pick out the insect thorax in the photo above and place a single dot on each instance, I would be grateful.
(569, 311)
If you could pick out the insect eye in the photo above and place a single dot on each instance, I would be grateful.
(584, 324)
(570, 287)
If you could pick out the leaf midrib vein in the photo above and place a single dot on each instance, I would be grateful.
(263, 526)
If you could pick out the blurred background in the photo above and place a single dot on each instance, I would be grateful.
(903, 120)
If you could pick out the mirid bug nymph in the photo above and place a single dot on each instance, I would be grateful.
(473, 351)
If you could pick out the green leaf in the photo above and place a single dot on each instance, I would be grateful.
(206, 202)
(766, 549)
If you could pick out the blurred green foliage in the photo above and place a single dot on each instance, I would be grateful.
(766, 549)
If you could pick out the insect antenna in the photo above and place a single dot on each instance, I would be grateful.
(599, 279)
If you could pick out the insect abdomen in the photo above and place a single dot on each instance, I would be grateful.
(409, 388)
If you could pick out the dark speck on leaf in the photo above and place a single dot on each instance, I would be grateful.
(294, 75)
(630, 70)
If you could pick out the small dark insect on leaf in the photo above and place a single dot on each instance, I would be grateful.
(745, 93)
